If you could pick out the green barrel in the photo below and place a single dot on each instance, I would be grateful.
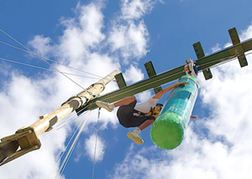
(167, 132)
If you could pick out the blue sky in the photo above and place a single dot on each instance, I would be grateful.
(101, 36)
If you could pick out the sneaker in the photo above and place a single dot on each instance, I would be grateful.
(104, 105)
(135, 137)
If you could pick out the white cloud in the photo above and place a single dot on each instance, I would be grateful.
(216, 48)
(133, 74)
(144, 96)
(90, 148)
(230, 92)
(22, 101)
(246, 34)
(41, 45)
(130, 40)
(217, 146)
(135, 9)
(229, 44)
(81, 34)
(129, 35)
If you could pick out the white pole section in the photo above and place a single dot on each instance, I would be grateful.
(46, 122)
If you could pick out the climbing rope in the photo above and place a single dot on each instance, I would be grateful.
(63, 165)
(97, 129)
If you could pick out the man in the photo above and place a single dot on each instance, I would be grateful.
(133, 114)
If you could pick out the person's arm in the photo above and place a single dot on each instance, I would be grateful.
(161, 93)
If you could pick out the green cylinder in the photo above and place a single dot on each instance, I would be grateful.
(167, 132)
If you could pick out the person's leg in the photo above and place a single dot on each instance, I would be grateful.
(110, 106)
(125, 114)
(146, 124)
(142, 123)
(125, 101)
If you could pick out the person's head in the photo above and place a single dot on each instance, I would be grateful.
(159, 106)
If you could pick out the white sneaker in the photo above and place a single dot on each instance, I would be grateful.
(104, 105)
(135, 137)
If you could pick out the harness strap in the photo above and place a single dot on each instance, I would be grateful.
(152, 112)
(138, 113)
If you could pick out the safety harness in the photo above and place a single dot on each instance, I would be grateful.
(153, 112)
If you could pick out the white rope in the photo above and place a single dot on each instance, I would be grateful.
(71, 148)
(97, 129)
(61, 155)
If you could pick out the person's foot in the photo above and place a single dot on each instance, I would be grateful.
(135, 137)
(105, 105)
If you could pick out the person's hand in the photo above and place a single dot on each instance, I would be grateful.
(193, 117)
(182, 83)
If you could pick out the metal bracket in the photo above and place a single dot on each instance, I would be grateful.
(151, 73)
(120, 81)
(200, 54)
(207, 74)
(27, 141)
(236, 41)
(198, 50)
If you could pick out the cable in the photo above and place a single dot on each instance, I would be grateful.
(72, 147)
(60, 127)
(97, 76)
(97, 129)
(61, 155)
(41, 58)
(42, 68)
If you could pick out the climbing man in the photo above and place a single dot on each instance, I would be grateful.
(140, 115)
